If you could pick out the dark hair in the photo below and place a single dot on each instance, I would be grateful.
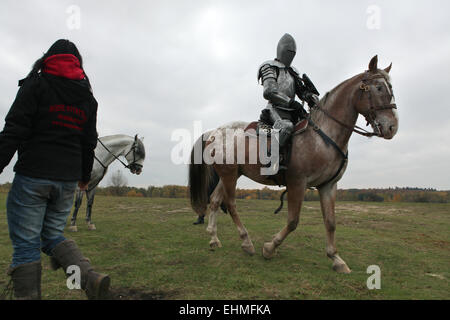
(61, 46)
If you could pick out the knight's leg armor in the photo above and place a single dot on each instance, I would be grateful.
(284, 126)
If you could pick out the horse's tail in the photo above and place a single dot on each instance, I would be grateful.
(202, 179)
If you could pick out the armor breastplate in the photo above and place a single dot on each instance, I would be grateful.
(286, 83)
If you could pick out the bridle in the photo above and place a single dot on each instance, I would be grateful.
(370, 116)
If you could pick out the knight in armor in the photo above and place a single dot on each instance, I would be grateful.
(282, 83)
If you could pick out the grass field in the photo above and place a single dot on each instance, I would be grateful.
(152, 250)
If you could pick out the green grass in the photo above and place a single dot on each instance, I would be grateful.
(151, 250)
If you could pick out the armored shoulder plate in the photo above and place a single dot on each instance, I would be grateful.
(269, 69)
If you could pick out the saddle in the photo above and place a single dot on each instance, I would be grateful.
(261, 127)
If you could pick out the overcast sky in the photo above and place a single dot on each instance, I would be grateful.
(158, 66)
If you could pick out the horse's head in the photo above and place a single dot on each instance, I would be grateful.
(376, 100)
(136, 156)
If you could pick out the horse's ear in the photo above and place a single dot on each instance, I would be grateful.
(135, 137)
(388, 69)
(373, 64)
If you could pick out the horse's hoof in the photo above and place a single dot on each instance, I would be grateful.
(268, 250)
(213, 244)
(91, 227)
(341, 268)
(73, 228)
(248, 248)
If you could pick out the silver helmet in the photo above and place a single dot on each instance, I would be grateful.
(286, 49)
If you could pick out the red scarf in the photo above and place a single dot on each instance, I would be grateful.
(64, 65)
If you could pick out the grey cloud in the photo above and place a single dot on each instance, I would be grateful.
(157, 66)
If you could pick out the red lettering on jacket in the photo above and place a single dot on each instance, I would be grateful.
(80, 118)
(67, 125)
(57, 108)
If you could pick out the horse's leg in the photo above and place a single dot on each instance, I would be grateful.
(90, 201)
(215, 201)
(229, 183)
(78, 201)
(296, 192)
(327, 201)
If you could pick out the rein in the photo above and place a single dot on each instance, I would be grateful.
(355, 128)
(127, 166)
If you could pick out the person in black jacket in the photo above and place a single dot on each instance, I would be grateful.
(52, 125)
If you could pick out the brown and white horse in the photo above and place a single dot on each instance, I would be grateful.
(318, 158)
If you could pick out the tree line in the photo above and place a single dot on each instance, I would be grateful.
(428, 195)
(407, 194)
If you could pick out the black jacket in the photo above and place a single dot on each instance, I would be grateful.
(52, 124)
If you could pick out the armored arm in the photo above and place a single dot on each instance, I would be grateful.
(268, 75)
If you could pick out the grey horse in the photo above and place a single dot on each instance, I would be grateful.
(109, 149)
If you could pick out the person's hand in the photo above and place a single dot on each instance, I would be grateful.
(83, 185)
(312, 100)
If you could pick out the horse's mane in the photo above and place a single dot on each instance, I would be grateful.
(140, 148)
(383, 73)
(323, 100)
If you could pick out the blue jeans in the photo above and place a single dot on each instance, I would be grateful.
(37, 211)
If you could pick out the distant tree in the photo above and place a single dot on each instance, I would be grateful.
(118, 183)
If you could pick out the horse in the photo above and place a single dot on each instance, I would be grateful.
(318, 158)
(109, 149)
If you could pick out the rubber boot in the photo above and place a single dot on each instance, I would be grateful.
(26, 279)
(65, 254)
